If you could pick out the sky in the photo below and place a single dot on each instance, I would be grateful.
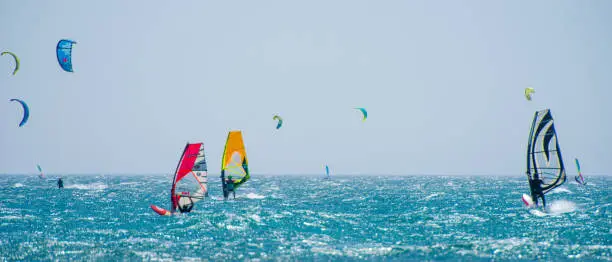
(443, 84)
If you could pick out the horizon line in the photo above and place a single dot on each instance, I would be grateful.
(280, 174)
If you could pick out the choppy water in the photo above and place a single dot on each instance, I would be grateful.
(305, 218)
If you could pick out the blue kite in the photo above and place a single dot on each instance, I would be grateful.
(64, 54)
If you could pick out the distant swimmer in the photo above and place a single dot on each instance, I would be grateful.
(229, 187)
(60, 183)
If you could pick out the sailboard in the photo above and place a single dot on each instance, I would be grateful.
(190, 182)
(579, 179)
(41, 175)
(544, 161)
(234, 162)
(327, 172)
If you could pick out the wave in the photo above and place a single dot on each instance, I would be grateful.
(11, 217)
(432, 196)
(561, 206)
(92, 186)
(561, 190)
(255, 218)
(129, 183)
(555, 208)
(18, 185)
(537, 212)
(254, 196)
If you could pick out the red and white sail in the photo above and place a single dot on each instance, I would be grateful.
(191, 177)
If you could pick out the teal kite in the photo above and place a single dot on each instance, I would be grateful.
(26, 111)
(280, 121)
(364, 112)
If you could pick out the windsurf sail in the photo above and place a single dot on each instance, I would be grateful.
(579, 178)
(190, 183)
(544, 160)
(327, 171)
(41, 174)
(234, 162)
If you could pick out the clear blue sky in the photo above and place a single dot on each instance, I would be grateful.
(443, 83)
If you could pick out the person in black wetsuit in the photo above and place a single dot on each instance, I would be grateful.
(187, 207)
(536, 191)
(229, 187)
(60, 183)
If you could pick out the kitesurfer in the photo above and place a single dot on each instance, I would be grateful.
(60, 183)
(536, 191)
(229, 187)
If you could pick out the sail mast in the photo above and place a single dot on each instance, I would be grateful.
(172, 191)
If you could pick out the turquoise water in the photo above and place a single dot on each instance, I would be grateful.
(305, 218)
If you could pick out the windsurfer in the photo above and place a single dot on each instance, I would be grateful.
(183, 208)
(186, 208)
(229, 187)
(60, 183)
(536, 191)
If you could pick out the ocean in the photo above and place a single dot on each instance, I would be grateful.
(304, 218)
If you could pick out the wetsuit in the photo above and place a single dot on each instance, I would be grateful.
(60, 183)
(186, 208)
(183, 208)
(536, 191)
(230, 187)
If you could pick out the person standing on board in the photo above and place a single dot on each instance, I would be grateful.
(60, 183)
(229, 187)
(536, 191)
(186, 208)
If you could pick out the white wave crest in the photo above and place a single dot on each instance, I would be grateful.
(537, 212)
(93, 186)
(561, 206)
(432, 196)
(254, 196)
(18, 185)
(255, 218)
(561, 190)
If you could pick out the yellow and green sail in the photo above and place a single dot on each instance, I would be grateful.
(234, 161)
